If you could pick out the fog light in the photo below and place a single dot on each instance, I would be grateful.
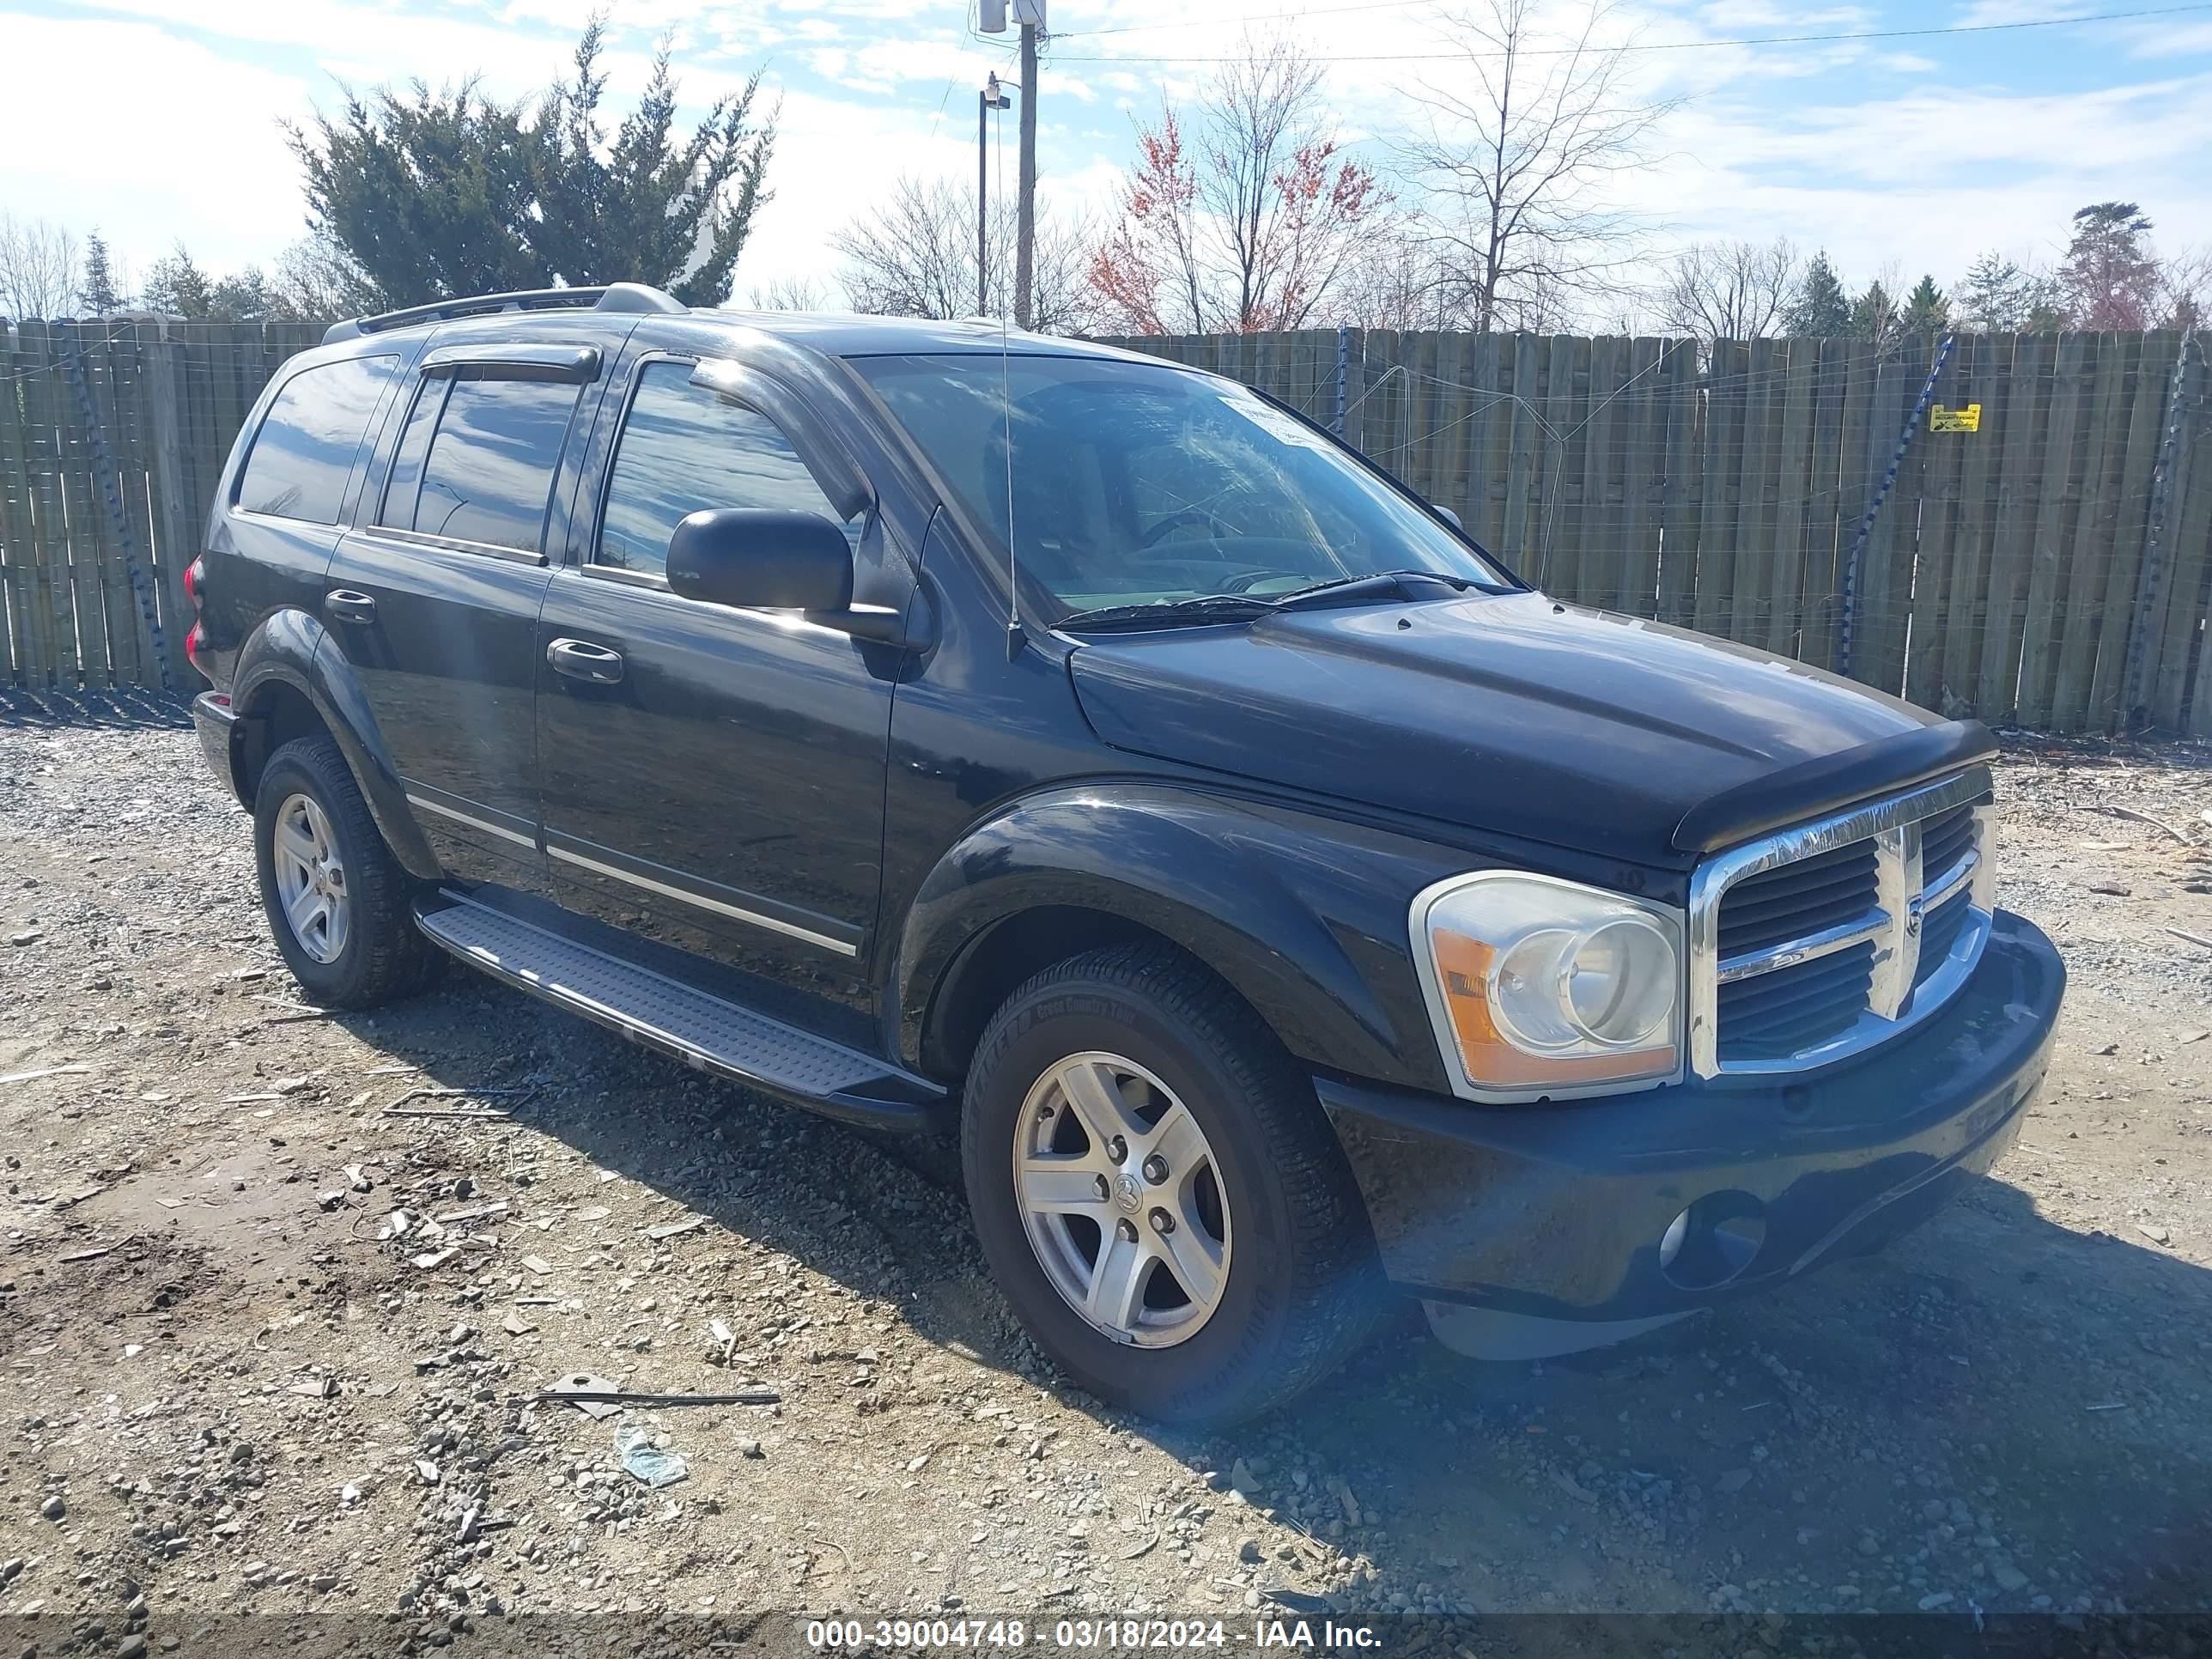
(1713, 1240)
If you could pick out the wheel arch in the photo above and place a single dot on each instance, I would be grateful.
(291, 681)
(1303, 919)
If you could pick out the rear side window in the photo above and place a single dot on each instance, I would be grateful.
(683, 449)
(476, 459)
(304, 453)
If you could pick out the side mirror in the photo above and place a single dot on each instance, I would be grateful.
(762, 560)
(1448, 516)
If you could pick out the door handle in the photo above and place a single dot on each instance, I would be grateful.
(580, 659)
(346, 605)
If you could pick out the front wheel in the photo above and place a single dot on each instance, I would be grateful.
(1158, 1192)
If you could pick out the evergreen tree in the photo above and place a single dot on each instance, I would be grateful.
(430, 195)
(244, 296)
(1926, 309)
(1874, 315)
(176, 286)
(98, 292)
(1821, 309)
(1993, 297)
(647, 208)
(2110, 277)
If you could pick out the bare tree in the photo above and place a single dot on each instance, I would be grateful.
(1253, 219)
(316, 280)
(1398, 282)
(790, 292)
(38, 268)
(2184, 288)
(1729, 290)
(913, 255)
(1517, 153)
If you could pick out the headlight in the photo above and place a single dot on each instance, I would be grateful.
(1543, 987)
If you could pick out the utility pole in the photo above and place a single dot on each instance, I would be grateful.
(1029, 13)
(989, 99)
(1032, 16)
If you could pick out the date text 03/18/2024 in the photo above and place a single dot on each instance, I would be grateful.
(1085, 1634)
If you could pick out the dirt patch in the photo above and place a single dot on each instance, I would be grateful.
(263, 1395)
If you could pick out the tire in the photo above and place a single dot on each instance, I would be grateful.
(1301, 1286)
(377, 955)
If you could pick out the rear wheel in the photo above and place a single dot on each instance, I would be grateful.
(338, 903)
(1158, 1192)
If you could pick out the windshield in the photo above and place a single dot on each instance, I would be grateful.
(1137, 484)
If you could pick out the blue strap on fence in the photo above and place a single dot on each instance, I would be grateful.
(1881, 494)
(2147, 580)
(111, 496)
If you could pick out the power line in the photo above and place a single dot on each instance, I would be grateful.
(1671, 46)
(1249, 17)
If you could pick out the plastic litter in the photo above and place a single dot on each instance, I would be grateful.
(647, 1462)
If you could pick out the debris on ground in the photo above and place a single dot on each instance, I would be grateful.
(241, 1399)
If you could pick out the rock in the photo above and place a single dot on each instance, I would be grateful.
(323, 1582)
(2153, 1231)
(749, 1448)
(53, 1509)
(29, 936)
(1940, 1599)
(1869, 1545)
(10, 1569)
(1734, 1481)
(1249, 1550)
(2009, 1577)
(1242, 1478)
(131, 1647)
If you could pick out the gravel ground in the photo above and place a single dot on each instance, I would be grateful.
(226, 1386)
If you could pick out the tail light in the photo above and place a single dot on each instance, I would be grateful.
(195, 573)
(195, 645)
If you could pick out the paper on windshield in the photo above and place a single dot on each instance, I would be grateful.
(1277, 424)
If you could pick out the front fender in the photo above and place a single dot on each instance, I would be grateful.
(290, 647)
(1305, 915)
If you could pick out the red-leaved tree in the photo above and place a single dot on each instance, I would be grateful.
(1253, 222)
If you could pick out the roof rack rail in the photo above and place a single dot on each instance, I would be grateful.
(615, 297)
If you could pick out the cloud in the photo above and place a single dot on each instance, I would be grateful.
(1824, 143)
(220, 175)
(1930, 178)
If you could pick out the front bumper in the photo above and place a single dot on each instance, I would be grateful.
(1558, 1212)
(215, 720)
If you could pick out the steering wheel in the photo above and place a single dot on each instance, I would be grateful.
(1187, 515)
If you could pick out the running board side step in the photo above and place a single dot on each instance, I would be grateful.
(703, 1031)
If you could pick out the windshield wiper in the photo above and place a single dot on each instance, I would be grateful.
(1206, 608)
(1192, 612)
(1352, 590)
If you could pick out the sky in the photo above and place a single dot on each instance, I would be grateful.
(158, 121)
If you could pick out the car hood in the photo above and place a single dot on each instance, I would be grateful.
(1505, 712)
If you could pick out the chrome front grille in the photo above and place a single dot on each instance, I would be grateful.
(1821, 941)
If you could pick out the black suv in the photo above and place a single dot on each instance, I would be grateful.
(1009, 737)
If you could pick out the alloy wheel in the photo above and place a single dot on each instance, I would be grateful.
(1122, 1200)
(311, 885)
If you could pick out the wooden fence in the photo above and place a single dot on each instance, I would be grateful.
(2048, 568)
(2004, 573)
(113, 436)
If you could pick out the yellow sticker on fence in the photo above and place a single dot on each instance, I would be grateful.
(1968, 419)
